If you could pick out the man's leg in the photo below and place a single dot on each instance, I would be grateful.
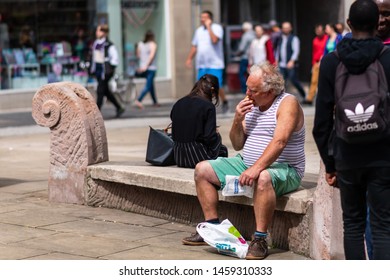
(264, 203)
(292, 75)
(353, 202)
(314, 82)
(205, 182)
(378, 189)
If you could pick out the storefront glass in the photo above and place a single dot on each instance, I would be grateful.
(139, 16)
(44, 41)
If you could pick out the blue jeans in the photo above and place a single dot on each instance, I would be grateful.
(291, 75)
(149, 86)
(359, 188)
(243, 74)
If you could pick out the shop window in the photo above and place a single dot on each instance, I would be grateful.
(137, 18)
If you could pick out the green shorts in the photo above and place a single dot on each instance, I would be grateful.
(284, 177)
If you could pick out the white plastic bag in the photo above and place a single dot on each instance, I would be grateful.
(224, 237)
(112, 85)
(233, 187)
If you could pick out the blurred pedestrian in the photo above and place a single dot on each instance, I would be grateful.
(207, 46)
(275, 33)
(340, 28)
(104, 62)
(318, 48)
(333, 38)
(146, 53)
(243, 52)
(287, 55)
(261, 49)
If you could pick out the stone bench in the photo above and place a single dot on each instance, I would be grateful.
(169, 193)
(306, 221)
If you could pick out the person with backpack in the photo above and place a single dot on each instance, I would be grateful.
(103, 64)
(352, 133)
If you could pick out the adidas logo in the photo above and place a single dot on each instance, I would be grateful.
(360, 117)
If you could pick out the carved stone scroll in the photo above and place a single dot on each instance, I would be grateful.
(78, 137)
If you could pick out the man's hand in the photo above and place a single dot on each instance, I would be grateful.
(208, 23)
(331, 179)
(290, 64)
(189, 63)
(242, 108)
(249, 176)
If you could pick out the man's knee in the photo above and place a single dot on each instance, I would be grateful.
(201, 170)
(264, 182)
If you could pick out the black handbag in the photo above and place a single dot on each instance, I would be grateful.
(160, 147)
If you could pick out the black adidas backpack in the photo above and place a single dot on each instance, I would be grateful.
(362, 101)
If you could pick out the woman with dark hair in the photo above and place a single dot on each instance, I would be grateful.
(194, 128)
(333, 38)
(146, 52)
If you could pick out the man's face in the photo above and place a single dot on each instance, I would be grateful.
(99, 33)
(203, 18)
(259, 31)
(254, 90)
(286, 28)
(384, 18)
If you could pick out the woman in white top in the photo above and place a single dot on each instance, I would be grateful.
(260, 50)
(146, 52)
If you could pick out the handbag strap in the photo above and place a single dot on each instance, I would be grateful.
(168, 128)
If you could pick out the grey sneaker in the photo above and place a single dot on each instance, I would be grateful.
(258, 249)
(194, 240)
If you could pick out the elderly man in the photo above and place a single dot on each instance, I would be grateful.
(269, 127)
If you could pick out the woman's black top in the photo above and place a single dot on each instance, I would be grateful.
(194, 131)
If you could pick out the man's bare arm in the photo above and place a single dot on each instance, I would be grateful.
(191, 56)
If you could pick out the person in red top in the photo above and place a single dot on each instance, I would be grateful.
(319, 43)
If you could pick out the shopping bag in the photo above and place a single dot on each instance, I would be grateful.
(160, 147)
(224, 237)
(234, 188)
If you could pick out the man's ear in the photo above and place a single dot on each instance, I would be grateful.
(349, 24)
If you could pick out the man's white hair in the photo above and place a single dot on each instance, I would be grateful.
(272, 79)
(247, 26)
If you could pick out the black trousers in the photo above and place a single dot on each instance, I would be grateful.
(359, 187)
(104, 90)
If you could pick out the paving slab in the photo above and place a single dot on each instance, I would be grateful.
(16, 252)
(36, 218)
(80, 245)
(106, 229)
(13, 234)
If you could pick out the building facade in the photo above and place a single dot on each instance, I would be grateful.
(44, 41)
